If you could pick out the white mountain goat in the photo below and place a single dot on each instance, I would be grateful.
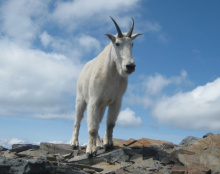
(102, 83)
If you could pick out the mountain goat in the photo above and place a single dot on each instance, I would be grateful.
(102, 83)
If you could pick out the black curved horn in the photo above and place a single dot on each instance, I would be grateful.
(131, 29)
(120, 35)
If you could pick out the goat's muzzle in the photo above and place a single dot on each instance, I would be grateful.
(130, 68)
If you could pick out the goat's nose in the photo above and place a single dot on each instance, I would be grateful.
(130, 67)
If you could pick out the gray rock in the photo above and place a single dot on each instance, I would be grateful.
(20, 166)
(61, 149)
(22, 147)
(2, 148)
(9, 155)
(169, 146)
(117, 155)
(208, 134)
(189, 141)
(155, 152)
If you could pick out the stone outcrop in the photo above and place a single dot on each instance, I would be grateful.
(192, 156)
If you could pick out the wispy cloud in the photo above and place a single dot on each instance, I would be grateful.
(72, 13)
(148, 89)
(197, 109)
(90, 43)
(152, 26)
(7, 143)
(34, 81)
(22, 20)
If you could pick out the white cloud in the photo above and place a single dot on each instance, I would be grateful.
(90, 43)
(147, 90)
(34, 82)
(75, 12)
(152, 26)
(7, 143)
(46, 39)
(128, 118)
(197, 109)
(20, 20)
(155, 84)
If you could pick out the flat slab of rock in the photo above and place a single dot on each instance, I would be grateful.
(23, 147)
(61, 149)
(109, 168)
(141, 142)
(35, 166)
(117, 155)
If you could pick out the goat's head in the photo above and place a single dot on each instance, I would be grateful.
(122, 49)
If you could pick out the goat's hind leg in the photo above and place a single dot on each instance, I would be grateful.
(80, 108)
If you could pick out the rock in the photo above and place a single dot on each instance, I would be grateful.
(141, 142)
(31, 153)
(23, 147)
(9, 155)
(169, 146)
(189, 141)
(192, 156)
(189, 170)
(154, 152)
(203, 154)
(61, 149)
(33, 166)
(211, 158)
(208, 134)
(147, 142)
(117, 155)
(179, 170)
(109, 168)
(2, 148)
(129, 142)
(85, 167)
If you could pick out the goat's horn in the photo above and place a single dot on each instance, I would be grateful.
(131, 29)
(120, 35)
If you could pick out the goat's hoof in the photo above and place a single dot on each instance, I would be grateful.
(90, 155)
(108, 147)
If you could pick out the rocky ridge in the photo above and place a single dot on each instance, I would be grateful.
(192, 156)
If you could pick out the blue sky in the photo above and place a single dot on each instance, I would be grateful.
(44, 44)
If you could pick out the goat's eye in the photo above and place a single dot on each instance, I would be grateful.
(117, 44)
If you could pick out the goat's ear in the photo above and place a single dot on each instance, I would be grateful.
(135, 35)
(111, 37)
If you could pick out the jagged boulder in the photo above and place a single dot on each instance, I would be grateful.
(189, 141)
(204, 153)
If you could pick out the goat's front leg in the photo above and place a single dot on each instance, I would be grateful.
(93, 126)
(111, 119)
(80, 108)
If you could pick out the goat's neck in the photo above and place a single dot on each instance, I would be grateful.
(111, 67)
